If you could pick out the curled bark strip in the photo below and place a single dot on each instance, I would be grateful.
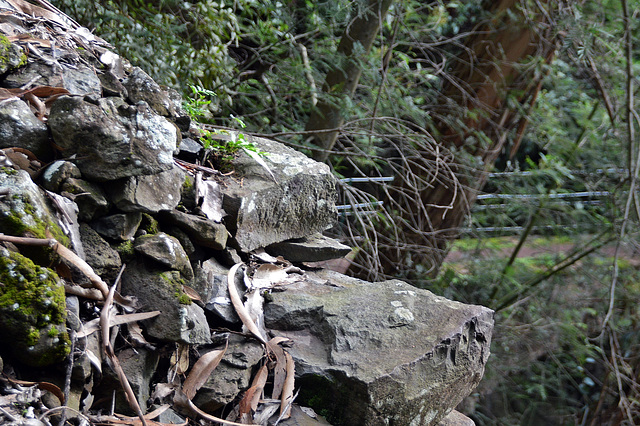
(181, 400)
(50, 387)
(239, 306)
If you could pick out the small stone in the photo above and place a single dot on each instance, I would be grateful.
(211, 284)
(122, 226)
(148, 193)
(104, 260)
(90, 198)
(20, 128)
(201, 230)
(157, 290)
(315, 248)
(165, 250)
(189, 150)
(57, 172)
(232, 375)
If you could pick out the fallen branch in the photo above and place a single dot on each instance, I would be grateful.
(105, 319)
(72, 258)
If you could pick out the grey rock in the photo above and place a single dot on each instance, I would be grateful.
(121, 226)
(165, 250)
(387, 353)
(90, 198)
(104, 260)
(82, 366)
(232, 375)
(149, 193)
(111, 139)
(211, 284)
(314, 248)
(20, 128)
(184, 239)
(111, 85)
(24, 212)
(190, 150)
(12, 56)
(180, 320)
(300, 418)
(141, 87)
(456, 418)
(57, 172)
(139, 365)
(201, 230)
(73, 312)
(180, 117)
(168, 416)
(300, 202)
(77, 79)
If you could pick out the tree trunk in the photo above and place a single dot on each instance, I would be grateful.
(475, 124)
(343, 79)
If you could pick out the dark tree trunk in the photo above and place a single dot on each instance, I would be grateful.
(501, 61)
(343, 79)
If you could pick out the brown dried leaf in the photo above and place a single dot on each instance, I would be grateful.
(191, 293)
(251, 398)
(50, 387)
(94, 325)
(28, 38)
(135, 333)
(201, 371)
(287, 391)
(46, 91)
(180, 359)
(33, 10)
(280, 369)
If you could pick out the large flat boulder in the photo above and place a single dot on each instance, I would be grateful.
(380, 353)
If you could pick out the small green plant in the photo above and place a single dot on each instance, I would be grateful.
(196, 105)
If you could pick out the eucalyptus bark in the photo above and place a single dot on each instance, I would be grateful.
(343, 79)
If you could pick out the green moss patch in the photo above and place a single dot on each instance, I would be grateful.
(32, 310)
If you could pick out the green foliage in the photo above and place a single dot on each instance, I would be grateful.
(195, 104)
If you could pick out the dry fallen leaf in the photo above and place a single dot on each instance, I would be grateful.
(201, 371)
(251, 398)
(180, 359)
(280, 367)
(94, 325)
(287, 390)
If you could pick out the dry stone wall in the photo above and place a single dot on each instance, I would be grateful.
(97, 156)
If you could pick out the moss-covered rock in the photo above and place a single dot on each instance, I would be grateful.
(32, 310)
(25, 213)
(11, 56)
